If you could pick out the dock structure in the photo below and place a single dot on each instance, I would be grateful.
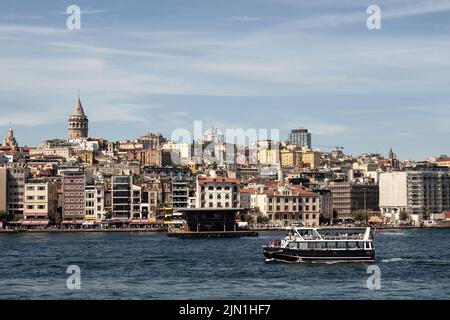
(210, 223)
(212, 234)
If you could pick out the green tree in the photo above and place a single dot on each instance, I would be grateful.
(247, 218)
(403, 215)
(2, 215)
(108, 215)
(428, 212)
(360, 215)
(262, 219)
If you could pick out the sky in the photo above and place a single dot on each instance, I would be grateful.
(159, 65)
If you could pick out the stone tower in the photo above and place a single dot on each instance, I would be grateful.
(78, 122)
(10, 140)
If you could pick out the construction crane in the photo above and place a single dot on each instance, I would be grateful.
(339, 148)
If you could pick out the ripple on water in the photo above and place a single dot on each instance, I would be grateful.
(153, 266)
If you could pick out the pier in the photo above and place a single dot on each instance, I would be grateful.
(212, 234)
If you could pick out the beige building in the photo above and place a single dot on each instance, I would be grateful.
(311, 158)
(41, 200)
(286, 205)
(291, 158)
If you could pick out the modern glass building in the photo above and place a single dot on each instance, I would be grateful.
(301, 138)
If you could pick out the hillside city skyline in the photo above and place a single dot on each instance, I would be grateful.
(157, 66)
(79, 110)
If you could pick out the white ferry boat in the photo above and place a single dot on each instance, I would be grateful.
(322, 244)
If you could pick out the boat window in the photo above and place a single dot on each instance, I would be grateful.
(342, 245)
(323, 245)
(302, 245)
(332, 245)
(312, 245)
(293, 245)
(352, 245)
(360, 245)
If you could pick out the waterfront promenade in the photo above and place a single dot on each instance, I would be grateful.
(163, 230)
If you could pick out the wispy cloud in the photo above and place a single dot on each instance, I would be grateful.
(245, 18)
(15, 16)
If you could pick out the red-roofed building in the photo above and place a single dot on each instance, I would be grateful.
(287, 205)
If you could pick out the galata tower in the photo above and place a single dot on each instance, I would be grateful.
(78, 122)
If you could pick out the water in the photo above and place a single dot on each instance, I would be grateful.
(415, 264)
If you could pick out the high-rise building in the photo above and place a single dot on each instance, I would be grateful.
(301, 138)
(78, 122)
(349, 197)
(73, 190)
(17, 176)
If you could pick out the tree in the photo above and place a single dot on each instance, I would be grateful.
(403, 215)
(428, 212)
(360, 215)
(262, 219)
(108, 215)
(247, 218)
(2, 215)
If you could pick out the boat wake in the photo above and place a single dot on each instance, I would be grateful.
(392, 260)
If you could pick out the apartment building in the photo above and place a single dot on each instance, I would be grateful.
(41, 202)
(349, 197)
(94, 203)
(16, 178)
(126, 198)
(287, 205)
(217, 193)
(73, 194)
(180, 194)
(416, 192)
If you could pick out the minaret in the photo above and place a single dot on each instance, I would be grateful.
(78, 122)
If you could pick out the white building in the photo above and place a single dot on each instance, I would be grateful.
(217, 193)
(95, 203)
(393, 194)
(418, 192)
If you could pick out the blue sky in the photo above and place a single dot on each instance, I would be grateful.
(157, 66)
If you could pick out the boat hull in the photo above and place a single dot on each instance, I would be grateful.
(292, 255)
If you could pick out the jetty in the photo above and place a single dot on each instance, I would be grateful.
(212, 234)
(209, 223)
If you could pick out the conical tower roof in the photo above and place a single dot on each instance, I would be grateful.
(78, 111)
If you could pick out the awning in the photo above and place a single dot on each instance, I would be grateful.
(88, 223)
(375, 220)
(73, 222)
(145, 222)
(35, 222)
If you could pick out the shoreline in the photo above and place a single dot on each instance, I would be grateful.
(130, 230)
